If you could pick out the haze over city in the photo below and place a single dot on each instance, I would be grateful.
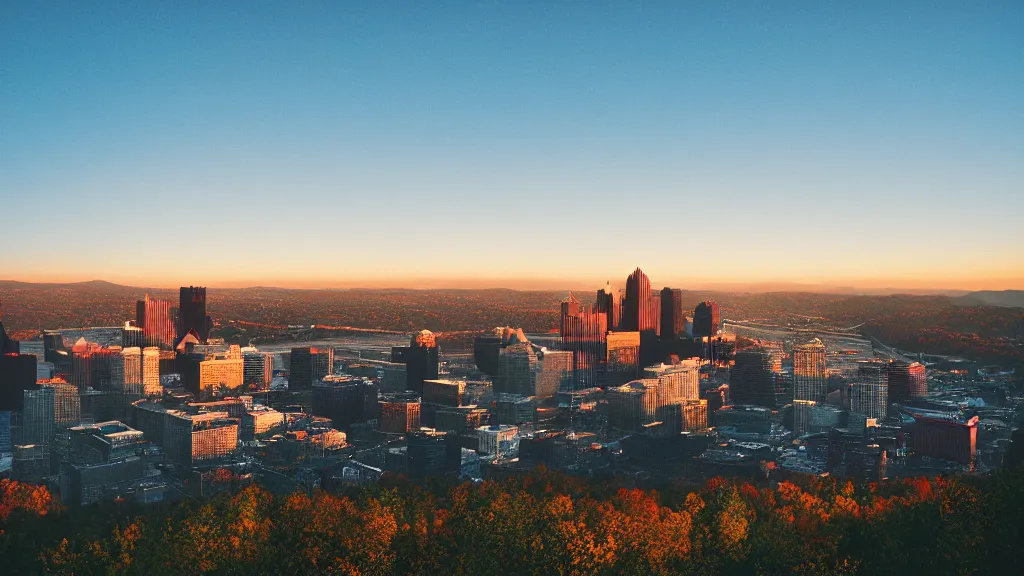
(514, 144)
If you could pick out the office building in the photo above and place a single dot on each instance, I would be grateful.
(870, 393)
(622, 358)
(345, 400)
(67, 407)
(17, 374)
(126, 371)
(514, 409)
(101, 463)
(609, 304)
(517, 364)
(151, 360)
(444, 392)
(809, 375)
(7, 344)
(399, 416)
(154, 317)
(394, 377)
(420, 358)
(132, 336)
(707, 319)
(219, 378)
(582, 332)
(672, 319)
(487, 347)
(258, 369)
(752, 379)
(946, 438)
(639, 308)
(309, 365)
(192, 438)
(634, 405)
(192, 312)
(257, 422)
(432, 453)
(676, 382)
(500, 441)
(461, 420)
(906, 381)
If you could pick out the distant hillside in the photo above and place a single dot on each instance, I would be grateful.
(1011, 298)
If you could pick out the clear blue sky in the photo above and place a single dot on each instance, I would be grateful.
(339, 143)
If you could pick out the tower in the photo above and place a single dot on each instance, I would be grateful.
(637, 309)
(671, 313)
(192, 312)
(707, 319)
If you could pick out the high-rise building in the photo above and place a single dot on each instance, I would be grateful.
(752, 379)
(258, 369)
(67, 407)
(639, 311)
(906, 381)
(310, 365)
(672, 318)
(707, 319)
(192, 312)
(420, 359)
(608, 303)
(17, 374)
(345, 400)
(870, 394)
(444, 392)
(151, 372)
(154, 317)
(582, 332)
(809, 376)
(7, 344)
(676, 382)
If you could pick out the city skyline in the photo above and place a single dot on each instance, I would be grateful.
(309, 146)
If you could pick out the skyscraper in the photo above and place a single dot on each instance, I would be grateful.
(192, 312)
(154, 317)
(309, 366)
(870, 396)
(707, 319)
(420, 358)
(259, 369)
(809, 377)
(638, 311)
(7, 345)
(906, 381)
(17, 374)
(752, 380)
(608, 304)
(583, 333)
(671, 313)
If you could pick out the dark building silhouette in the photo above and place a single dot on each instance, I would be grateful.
(638, 307)
(671, 313)
(906, 381)
(431, 453)
(752, 380)
(17, 374)
(309, 365)
(707, 319)
(420, 358)
(487, 347)
(7, 344)
(608, 304)
(192, 312)
(346, 401)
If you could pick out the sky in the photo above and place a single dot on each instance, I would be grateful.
(519, 144)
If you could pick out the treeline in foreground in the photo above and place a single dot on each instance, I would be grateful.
(544, 523)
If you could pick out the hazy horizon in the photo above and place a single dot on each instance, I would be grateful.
(545, 284)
